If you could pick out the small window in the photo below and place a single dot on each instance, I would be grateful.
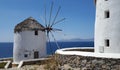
(107, 43)
(36, 32)
(106, 0)
(107, 14)
(25, 55)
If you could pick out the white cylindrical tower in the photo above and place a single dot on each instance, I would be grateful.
(107, 26)
(29, 41)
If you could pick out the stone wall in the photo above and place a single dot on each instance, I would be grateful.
(89, 63)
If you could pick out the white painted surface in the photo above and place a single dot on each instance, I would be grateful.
(31, 60)
(107, 28)
(7, 63)
(91, 54)
(26, 42)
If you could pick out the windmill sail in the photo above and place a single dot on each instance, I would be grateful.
(49, 26)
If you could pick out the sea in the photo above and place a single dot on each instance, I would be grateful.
(6, 48)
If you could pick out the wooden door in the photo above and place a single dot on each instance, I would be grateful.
(36, 54)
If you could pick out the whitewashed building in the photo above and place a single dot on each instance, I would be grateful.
(107, 26)
(29, 40)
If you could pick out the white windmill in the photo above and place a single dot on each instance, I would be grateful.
(30, 37)
(107, 26)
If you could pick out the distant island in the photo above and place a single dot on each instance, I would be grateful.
(78, 40)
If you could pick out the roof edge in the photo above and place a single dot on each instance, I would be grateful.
(29, 24)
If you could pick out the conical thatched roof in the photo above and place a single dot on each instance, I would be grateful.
(28, 24)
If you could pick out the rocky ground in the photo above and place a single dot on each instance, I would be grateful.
(27, 67)
(74, 62)
(41, 67)
(52, 64)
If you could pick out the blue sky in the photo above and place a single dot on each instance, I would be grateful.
(79, 14)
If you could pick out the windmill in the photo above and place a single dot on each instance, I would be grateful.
(51, 22)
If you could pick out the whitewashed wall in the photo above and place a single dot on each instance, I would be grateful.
(107, 28)
(26, 42)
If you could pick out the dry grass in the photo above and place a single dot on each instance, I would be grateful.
(52, 64)
(2, 64)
